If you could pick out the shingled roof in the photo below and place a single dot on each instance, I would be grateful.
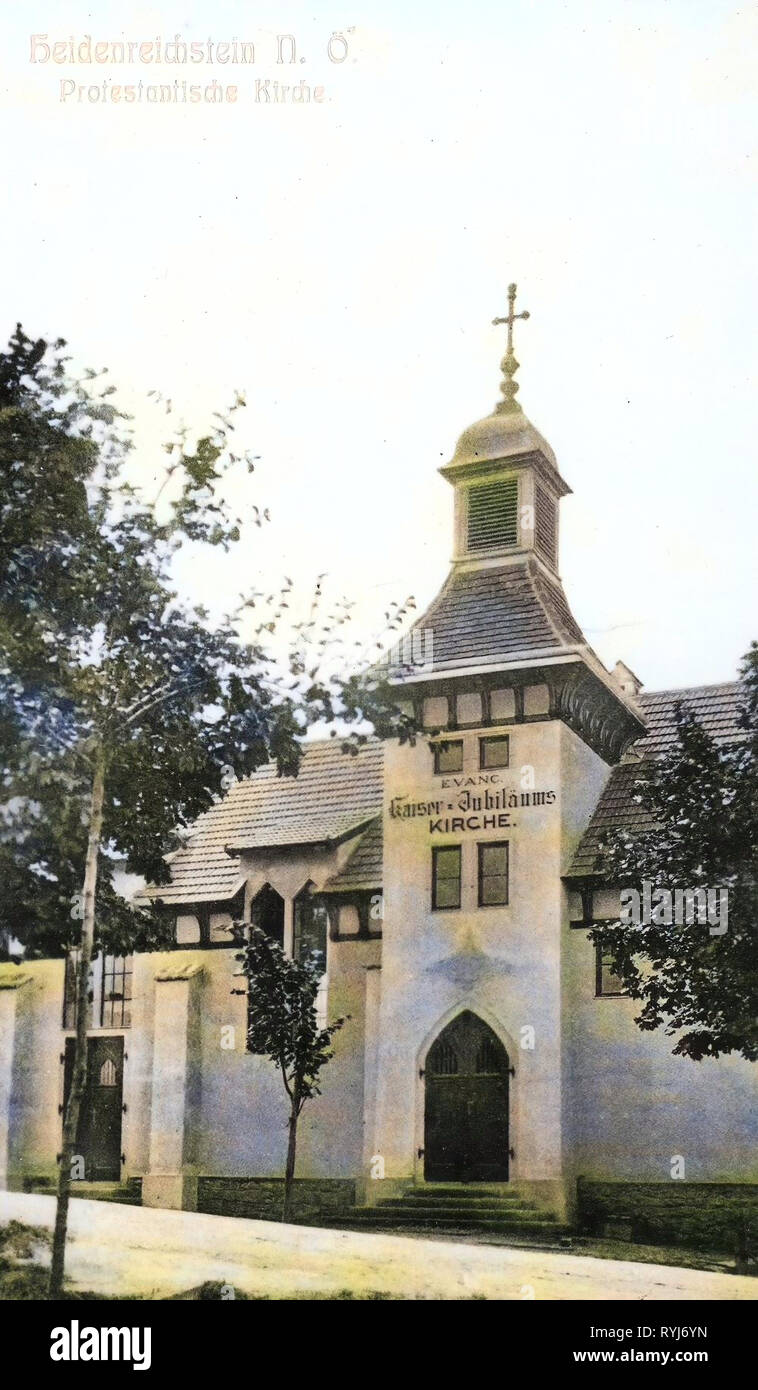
(363, 869)
(716, 706)
(334, 795)
(494, 615)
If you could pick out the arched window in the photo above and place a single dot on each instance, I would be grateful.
(108, 1073)
(311, 929)
(268, 914)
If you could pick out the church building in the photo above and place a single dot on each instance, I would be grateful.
(450, 884)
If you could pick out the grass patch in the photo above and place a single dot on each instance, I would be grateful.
(217, 1291)
(18, 1282)
(19, 1242)
(24, 1274)
(28, 1282)
(672, 1255)
(675, 1256)
(213, 1290)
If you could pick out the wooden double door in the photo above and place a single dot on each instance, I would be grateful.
(99, 1133)
(466, 1106)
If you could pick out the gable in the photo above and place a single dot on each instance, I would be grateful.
(334, 795)
(716, 706)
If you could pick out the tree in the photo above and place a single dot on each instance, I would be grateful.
(700, 832)
(125, 710)
(282, 1025)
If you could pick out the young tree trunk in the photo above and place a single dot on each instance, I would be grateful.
(83, 1023)
(289, 1172)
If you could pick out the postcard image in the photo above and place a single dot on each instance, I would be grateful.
(378, 667)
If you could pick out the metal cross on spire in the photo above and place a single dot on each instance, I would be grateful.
(509, 365)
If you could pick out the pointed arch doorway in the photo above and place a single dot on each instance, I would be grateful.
(466, 1104)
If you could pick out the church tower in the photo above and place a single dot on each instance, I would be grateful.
(506, 480)
(502, 606)
(522, 723)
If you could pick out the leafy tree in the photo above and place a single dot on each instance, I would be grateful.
(282, 1025)
(48, 451)
(125, 710)
(700, 831)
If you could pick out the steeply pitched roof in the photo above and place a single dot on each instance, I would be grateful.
(363, 869)
(716, 707)
(334, 794)
(483, 617)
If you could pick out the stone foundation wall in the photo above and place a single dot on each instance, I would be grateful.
(129, 1191)
(702, 1216)
(313, 1200)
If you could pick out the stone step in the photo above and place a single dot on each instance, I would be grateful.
(130, 1194)
(428, 1199)
(462, 1216)
(463, 1189)
(457, 1207)
(463, 1212)
(106, 1192)
(458, 1216)
(461, 1194)
(372, 1218)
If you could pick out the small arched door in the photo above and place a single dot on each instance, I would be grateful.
(466, 1106)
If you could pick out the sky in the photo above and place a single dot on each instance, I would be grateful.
(341, 260)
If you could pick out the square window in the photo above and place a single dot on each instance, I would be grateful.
(495, 751)
(218, 929)
(436, 712)
(502, 705)
(187, 930)
(493, 874)
(448, 756)
(468, 707)
(536, 700)
(446, 876)
(607, 983)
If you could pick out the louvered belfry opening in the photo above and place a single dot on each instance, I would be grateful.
(493, 515)
(545, 524)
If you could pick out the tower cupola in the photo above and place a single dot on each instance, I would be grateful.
(506, 479)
